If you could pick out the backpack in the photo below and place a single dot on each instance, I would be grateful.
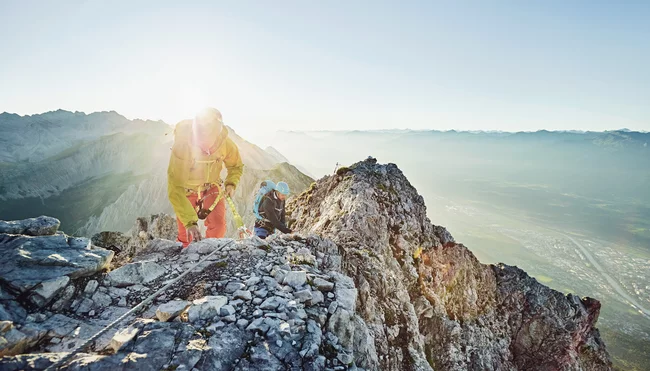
(266, 187)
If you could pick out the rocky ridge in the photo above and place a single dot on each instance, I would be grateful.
(252, 305)
(367, 283)
(428, 302)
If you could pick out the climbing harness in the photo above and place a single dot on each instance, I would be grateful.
(62, 361)
(200, 211)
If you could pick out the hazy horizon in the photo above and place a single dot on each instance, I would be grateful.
(395, 129)
(366, 65)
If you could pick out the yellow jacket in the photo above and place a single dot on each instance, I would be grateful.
(190, 168)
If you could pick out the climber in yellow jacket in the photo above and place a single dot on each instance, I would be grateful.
(201, 149)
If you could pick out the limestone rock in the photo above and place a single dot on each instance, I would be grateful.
(48, 289)
(323, 285)
(231, 287)
(91, 286)
(206, 307)
(135, 273)
(243, 294)
(171, 309)
(31, 261)
(396, 259)
(41, 226)
(295, 279)
(122, 337)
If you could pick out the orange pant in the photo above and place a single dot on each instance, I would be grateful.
(215, 222)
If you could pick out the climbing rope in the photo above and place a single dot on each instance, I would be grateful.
(239, 222)
(146, 301)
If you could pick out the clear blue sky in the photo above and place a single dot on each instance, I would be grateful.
(502, 65)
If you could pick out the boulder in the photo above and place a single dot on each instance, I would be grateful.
(136, 273)
(40, 262)
(295, 279)
(46, 290)
(206, 307)
(41, 226)
(323, 285)
(171, 309)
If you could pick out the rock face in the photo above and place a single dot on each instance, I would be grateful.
(368, 284)
(427, 300)
(39, 265)
(36, 269)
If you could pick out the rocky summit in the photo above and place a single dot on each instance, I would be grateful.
(365, 283)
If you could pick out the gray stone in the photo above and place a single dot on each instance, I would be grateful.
(301, 313)
(136, 273)
(242, 323)
(227, 310)
(281, 316)
(236, 302)
(270, 282)
(257, 301)
(317, 297)
(41, 226)
(347, 298)
(101, 300)
(171, 309)
(258, 325)
(262, 293)
(229, 319)
(280, 274)
(122, 337)
(206, 307)
(216, 326)
(85, 306)
(323, 285)
(261, 358)
(345, 358)
(30, 261)
(303, 295)
(243, 294)
(295, 279)
(253, 281)
(272, 303)
(91, 286)
(340, 324)
(258, 313)
(115, 292)
(48, 289)
(332, 308)
(231, 287)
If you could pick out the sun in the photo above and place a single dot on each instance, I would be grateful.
(191, 101)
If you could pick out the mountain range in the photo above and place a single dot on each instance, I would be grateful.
(100, 171)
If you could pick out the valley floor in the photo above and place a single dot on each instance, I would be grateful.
(566, 260)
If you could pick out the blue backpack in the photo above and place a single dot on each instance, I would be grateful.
(266, 187)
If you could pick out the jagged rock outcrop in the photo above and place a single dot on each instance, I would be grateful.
(36, 270)
(427, 300)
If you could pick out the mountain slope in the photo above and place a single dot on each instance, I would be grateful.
(427, 299)
(99, 171)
